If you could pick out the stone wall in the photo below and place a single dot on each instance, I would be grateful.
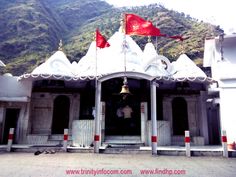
(196, 118)
(42, 111)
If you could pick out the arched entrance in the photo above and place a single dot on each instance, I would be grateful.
(122, 114)
(180, 116)
(61, 114)
(103, 95)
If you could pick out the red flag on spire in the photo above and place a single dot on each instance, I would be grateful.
(135, 25)
(101, 42)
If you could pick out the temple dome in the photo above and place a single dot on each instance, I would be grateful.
(57, 64)
(185, 67)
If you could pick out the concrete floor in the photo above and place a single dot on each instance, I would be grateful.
(58, 165)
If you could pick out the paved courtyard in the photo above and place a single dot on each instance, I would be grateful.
(89, 164)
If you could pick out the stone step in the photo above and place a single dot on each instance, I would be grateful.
(123, 140)
(137, 138)
(119, 150)
(57, 137)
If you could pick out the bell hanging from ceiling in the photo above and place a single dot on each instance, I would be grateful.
(125, 89)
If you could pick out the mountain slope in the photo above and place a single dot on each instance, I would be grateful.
(30, 30)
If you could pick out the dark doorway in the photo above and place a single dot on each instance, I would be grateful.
(11, 118)
(61, 114)
(180, 116)
(214, 125)
(122, 114)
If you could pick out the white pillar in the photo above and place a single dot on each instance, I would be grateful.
(65, 139)
(187, 143)
(102, 111)
(143, 110)
(224, 144)
(10, 139)
(97, 134)
(154, 118)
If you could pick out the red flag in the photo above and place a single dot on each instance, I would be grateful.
(135, 25)
(101, 42)
(177, 37)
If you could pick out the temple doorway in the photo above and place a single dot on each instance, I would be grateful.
(122, 114)
(11, 118)
(61, 114)
(180, 116)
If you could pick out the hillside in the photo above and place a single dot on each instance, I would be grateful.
(30, 30)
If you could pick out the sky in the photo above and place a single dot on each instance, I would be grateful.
(216, 12)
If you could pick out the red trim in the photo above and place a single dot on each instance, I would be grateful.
(10, 137)
(187, 139)
(96, 137)
(154, 139)
(224, 139)
(65, 137)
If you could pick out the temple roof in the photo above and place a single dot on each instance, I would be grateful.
(57, 64)
(116, 58)
(185, 67)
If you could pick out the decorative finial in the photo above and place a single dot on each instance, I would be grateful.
(182, 48)
(122, 23)
(60, 45)
(149, 39)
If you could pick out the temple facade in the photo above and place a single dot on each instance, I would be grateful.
(159, 101)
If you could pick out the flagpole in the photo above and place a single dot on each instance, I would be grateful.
(124, 43)
(96, 56)
(95, 37)
(156, 41)
(96, 81)
(97, 108)
(156, 52)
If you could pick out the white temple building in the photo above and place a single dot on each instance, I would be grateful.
(166, 98)
(220, 55)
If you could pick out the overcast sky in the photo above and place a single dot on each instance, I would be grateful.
(217, 12)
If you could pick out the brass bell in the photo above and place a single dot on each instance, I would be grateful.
(125, 89)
